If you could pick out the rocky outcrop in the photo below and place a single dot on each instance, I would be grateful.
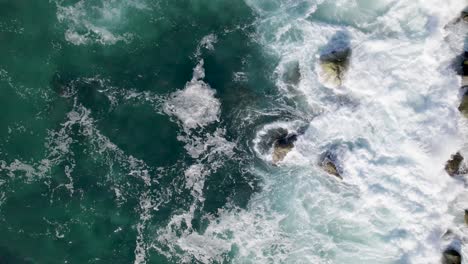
(453, 166)
(451, 256)
(334, 66)
(327, 163)
(282, 146)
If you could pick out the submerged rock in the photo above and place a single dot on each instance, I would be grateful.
(292, 74)
(282, 146)
(463, 108)
(452, 167)
(464, 16)
(328, 165)
(334, 66)
(451, 256)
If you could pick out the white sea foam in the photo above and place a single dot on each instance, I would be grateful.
(99, 23)
(207, 43)
(195, 105)
(396, 201)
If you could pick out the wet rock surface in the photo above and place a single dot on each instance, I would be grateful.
(453, 166)
(282, 146)
(328, 164)
(334, 66)
(451, 256)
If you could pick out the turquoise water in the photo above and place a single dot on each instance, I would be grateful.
(133, 131)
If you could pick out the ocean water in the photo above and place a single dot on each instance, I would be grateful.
(139, 131)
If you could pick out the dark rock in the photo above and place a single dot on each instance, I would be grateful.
(451, 256)
(334, 66)
(466, 216)
(465, 66)
(463, 108)
(452, 167)
(328, 165)
(460, 66)
(282, 146)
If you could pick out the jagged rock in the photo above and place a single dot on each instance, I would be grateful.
(453, 165)
(282, 146)
(328, 165)
(334, 66)
(451, 256)
(463, 108)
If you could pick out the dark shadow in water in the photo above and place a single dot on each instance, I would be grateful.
(9, 257)
(340, 42)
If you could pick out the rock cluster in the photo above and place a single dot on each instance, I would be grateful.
(454, 165)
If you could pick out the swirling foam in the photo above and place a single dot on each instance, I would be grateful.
(392, 127)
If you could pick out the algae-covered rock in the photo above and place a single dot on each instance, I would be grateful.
(334, 66)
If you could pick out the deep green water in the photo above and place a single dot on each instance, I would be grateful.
(49, 217)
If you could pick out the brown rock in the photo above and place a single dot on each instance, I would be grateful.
(329, 167)
(452, 167)
(282, 146)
